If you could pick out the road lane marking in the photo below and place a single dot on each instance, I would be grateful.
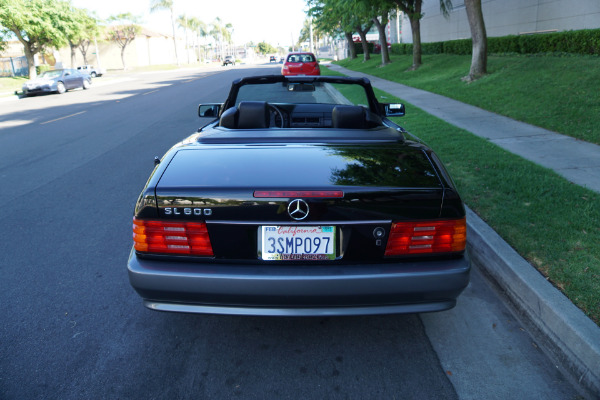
(143, 94)
(58, 119)
(14, 123)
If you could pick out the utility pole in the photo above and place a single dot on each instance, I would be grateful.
(312, 49)
(97, 54)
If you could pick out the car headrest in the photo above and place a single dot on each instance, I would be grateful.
(229, 118)
(348, 117)
(253, 115)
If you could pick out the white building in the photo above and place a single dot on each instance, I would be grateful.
(505, 17)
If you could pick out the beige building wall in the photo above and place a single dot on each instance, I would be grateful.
(506, 17)
(146, 49)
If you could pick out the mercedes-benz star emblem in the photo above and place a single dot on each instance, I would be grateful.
(298, 209)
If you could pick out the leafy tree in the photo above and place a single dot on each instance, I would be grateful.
(37, 24)
(83, 27)
(124, 32)
(412, 8)
(92, 31)
(479, 36)
(157, 5)
(330, 16)
(3, 41)
(371, 12)
(266, 48)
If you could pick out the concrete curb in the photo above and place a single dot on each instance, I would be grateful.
(571, 337)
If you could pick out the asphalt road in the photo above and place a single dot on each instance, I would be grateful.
(71, 168)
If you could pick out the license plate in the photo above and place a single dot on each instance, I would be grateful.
(298, 243)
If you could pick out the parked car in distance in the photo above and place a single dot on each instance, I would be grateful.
(57, 80)
(91, 70)
(294, 200)
(229, 60)
(300, 63)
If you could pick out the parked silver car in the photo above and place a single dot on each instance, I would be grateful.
(57, 80)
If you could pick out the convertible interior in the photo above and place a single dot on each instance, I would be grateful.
(263, 115)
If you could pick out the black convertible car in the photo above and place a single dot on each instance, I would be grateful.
(299, 198)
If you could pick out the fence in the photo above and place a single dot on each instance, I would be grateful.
(14, 66)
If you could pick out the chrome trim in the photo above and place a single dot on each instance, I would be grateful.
(301, 312)
(298, 209)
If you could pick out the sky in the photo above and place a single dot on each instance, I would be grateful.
(272, 21)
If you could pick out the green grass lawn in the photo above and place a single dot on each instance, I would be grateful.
(551, 222)
(9, 85)
(561, 94)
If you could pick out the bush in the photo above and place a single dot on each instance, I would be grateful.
(402, 48)
(585, 41)
(359, 49)
(460, 47)
(41, 68)
(432, 48)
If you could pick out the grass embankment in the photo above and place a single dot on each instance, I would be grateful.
(561, 94)
(551, 222)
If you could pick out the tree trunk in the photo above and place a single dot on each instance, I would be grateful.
(479, 36)
(30, 52)
(30, 61)
(412, 9)
(351, 49)
(415, 27)
(385, 55)
(73, 46)
(174, 37)
(363, 41)
(83, 49)
(123, 58)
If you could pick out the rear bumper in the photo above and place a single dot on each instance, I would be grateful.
(286, 290)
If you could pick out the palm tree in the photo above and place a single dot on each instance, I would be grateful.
(183, 22)
(221, 33)
(156, 5)
(201, 30)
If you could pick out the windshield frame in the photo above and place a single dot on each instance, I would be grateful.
(231, 101)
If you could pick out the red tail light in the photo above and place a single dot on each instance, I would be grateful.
(298, 193)
(443, 236)
(188, 238)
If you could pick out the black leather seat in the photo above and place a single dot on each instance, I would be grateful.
(348, 117)
(247, 115)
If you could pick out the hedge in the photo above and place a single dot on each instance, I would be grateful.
(359, 49)
(585, 41)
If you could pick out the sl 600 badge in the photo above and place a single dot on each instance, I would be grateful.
(187, 211)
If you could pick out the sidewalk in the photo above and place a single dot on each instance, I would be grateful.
(570, 337)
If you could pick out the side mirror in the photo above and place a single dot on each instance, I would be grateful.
(394, 110)
(209, 110)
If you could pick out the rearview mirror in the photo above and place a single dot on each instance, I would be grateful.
(301, 87)
(394, 110)
(209, 110)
